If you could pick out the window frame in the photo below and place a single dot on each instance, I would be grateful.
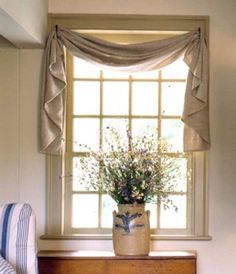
(56, 185)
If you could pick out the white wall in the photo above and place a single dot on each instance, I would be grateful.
(24, 22)
(9, 120)
(22, 168)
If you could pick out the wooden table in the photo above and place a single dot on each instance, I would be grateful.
(88, 262)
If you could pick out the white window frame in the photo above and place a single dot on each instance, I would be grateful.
(55, 227)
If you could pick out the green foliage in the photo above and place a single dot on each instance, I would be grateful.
(132, 169)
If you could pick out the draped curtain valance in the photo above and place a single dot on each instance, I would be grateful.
(131, 58)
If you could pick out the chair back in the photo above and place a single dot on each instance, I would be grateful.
(18, 238)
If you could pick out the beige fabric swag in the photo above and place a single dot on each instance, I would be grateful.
(131, 58)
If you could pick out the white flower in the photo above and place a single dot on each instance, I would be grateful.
(112, 189)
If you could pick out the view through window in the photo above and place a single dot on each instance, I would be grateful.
(101, 98)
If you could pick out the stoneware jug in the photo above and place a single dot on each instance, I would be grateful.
(131, 230)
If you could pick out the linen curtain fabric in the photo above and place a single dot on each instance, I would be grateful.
(130, 58)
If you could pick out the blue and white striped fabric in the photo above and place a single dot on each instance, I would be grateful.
(5, 267)
(17, 237)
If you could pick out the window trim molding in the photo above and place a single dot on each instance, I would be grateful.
(128, 22)
(109, 237)
(55, 182)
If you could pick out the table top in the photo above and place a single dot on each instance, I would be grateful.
(88, 254)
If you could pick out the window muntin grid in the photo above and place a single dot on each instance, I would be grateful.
(85, 124)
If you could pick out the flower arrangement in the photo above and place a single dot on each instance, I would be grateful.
(137, 170)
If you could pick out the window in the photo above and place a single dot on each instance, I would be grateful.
(102, 98)
(97, 98)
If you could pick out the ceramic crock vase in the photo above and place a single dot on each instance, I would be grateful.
(131, 230)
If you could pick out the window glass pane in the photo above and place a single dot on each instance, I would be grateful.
(140, 126)
(115, 98)
(85, 133)
(83, 69)
(172, 131)
(85, 210)
(153, 214)
(170, 218)
(146, 75)
(91, 172)
(86, 97)
(181, 181)
(176, 70)
(145, 99)
(173, 98)
(113, 74)
(120, 125)
(108, 206)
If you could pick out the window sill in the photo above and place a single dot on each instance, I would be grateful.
(109, 237)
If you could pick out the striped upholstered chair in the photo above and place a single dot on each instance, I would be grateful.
(17, 239)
